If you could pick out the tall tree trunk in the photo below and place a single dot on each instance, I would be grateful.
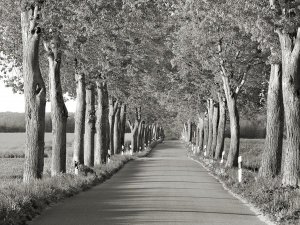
(201, 134)
(233, 154)
(221, 127)
(117, 134)
(271, 157)
(35, 95)
(113, 105)
(205, 139)
(59, 112)
(89, 136)
(79, 119)
(189, 131)
(210, 107)
(215, 130)
(134, 132)
(102, 124)
(123, 124)
(290, 47)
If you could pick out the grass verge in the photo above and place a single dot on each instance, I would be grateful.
(280, 204)
(21, 202)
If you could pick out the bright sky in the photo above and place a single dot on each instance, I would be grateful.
(10, 102)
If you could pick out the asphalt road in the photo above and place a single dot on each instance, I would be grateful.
(164, 188)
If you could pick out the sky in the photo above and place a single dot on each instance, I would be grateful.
(10, 102)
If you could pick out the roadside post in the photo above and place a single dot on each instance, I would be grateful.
(108, 156)
(122, 152)
(222, 160)
(240, 172)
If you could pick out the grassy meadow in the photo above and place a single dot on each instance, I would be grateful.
(12, 154)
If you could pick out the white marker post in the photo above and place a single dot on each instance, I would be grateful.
(222, 160)
(240, 172)
(76, 164)
(108, 156)
(122, 153)
(130, 150)
(204, 150)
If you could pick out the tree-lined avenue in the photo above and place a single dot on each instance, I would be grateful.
(164, 188)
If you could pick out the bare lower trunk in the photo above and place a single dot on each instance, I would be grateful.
(189, 131)
(117, 147)
(89, 136)
(290, 47)
(102, 124)
(59, 112)
(78, 155)
(210, 107)
(112, 112)
(134, 132)
(221, 128)
(215, 130)
(233, 154)
(205, 139)
(35, 95)
(122, 124)
(201, 134)
(271, 157)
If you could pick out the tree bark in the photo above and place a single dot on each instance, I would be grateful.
(79, 119)
(59, 112)
(290, 48)
(210, 107)
(189, 131)
(221, 127)
(201, 134)
(123, 124)
(35, 95)
(113, 105)
(215, 130)
(135, 130)
(233, 154)
(271, 157)
(102, 124)
(89, 136)
(205, 139)
(117, 134)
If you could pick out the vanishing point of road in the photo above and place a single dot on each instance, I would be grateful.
(164, 188)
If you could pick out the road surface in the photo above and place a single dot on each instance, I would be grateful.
(164, 188)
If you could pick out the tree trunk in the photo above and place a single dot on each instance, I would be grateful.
(205, 130)
(233, 154)
(89, 136)
(201, 134)
(221, 128)
(189, 131)
(102, 124)
(112, 112)
(290, 47)
(210, 107)
(123, 124)
(215, 130)
(117, 134)
(79, 119)
(134, 132)
(35, 96)
(154, 130)
(59, 112)
(271, 157)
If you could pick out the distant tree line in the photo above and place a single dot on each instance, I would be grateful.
(13, 122)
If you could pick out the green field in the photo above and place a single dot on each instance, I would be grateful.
(12, 144)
